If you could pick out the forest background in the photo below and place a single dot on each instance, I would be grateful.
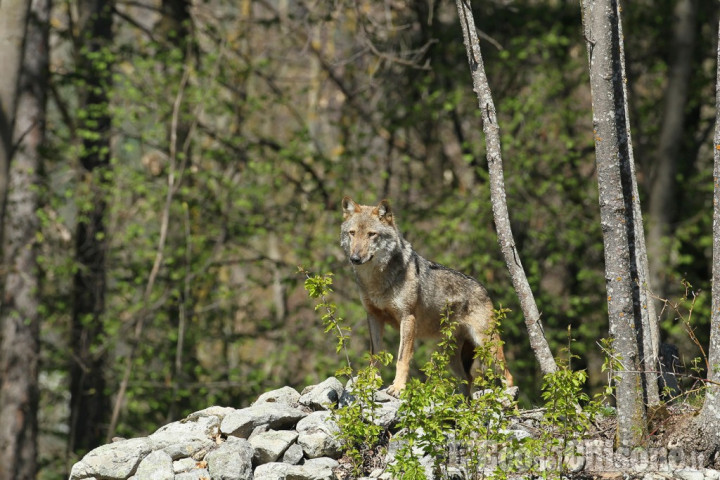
(195, 155)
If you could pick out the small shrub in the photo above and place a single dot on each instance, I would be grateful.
(358, 430)
(440, 425)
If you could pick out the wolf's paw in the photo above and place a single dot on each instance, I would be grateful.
(395, 390)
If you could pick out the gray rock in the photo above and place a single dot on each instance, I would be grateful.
(187, 438)
(231, 461)
(689, 474)
(112, 461)
(318, 436)
(272, 471)
(158, 465)
(270, 445)
(518, 434)
(197, 474)
(381, 396)
(214, 411)
(285, 395)
(386, 406)
(184, 465)
(241, 423)
(293, 455)
(712, 474)
(386, 413)
(258, 430)
(347, 398)
(319, 444)
(322, 395)
(316, 469)
(505, 399)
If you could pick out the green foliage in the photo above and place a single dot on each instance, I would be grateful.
(567, 416)
(359, 431)
(436, 419)
(270, 134)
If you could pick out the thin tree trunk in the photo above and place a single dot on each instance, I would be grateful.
(649, 332)
(13, 20)
(497, 191)
(707, 423)
(619, 217)
(89, 404)
(19, 350)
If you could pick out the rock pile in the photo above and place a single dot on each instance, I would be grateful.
(284, 434)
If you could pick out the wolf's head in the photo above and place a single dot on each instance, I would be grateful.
(368, 234)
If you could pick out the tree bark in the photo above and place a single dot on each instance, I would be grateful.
(619, 216)
(13, 20)
(491, 130)
(19, 350)
(649, 333)
(89, 404)
(707, 423)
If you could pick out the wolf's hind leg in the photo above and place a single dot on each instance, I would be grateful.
(461, 365)
(499, 355)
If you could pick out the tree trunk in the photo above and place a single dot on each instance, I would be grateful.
(497, 191)
(13, 20)
(649, 333)
(707, 422)
(619, 217)
(89, 404)
(19, 350)
(662, 188)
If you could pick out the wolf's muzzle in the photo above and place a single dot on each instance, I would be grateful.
(357, 260)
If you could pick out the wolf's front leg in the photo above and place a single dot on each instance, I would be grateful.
(376, 333)
(407, 345)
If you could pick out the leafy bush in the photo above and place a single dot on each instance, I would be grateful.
(441, 429)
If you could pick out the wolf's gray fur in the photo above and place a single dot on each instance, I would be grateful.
(401, 288)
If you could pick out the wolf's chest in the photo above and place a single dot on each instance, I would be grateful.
(384, 315)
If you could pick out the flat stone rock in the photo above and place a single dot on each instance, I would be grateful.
(214, 411)
(293, 455)
(187, 438)
(184, 465)
(318, 436)
(197, 474)
(158, 465)
(315, 469)
(285, 395)
(276, 416)
(112, 461)
(323, 395)
(270, 445)
(232, 460)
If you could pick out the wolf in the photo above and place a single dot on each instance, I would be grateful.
(403, 289)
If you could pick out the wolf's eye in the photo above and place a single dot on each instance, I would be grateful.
(372, 234)
(351, 233)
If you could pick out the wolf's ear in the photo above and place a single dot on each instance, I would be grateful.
(384, 212)
(349, 207)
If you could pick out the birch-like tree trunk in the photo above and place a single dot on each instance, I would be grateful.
(707, 423)
(491, 129)
(19, 317)
(619, 216)
(649, 333)
(13, 19)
